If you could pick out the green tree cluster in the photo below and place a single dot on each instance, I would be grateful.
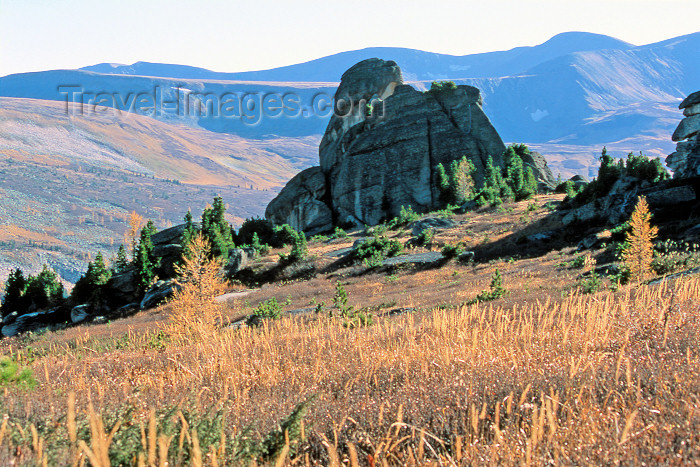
(90, 286)
(456, 185)
(23, 294)
(611, 170)
(512, 182)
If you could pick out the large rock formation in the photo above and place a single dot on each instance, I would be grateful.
(685, 162)
(381, 148)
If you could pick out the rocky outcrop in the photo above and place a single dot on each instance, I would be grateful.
(543, 174)
(685, 162)
(381, 148)
(301, 203)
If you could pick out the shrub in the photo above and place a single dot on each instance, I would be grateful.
(269, 309)
(287, 235)
(496, 289)
(262, 227)
(10, 374)
(426, 236)
(672, 256)
(216, 230)
(637, 166)
(353, 317)
(377, 246)
(457, 187)
(438, 87)
(339, 233)
(591, 284)
(405, 217)
(452, 251)
(144, 259)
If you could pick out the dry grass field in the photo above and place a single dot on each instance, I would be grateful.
(545, 375)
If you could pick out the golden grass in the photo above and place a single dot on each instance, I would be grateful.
(596, 379)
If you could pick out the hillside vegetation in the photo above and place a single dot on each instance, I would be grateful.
(549, 370)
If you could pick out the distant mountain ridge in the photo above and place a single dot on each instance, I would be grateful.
(418, 65)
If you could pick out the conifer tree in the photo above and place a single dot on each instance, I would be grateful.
(44, 288)
(188, 235)
(216, 230)
(640, 250)
(122, 262)
(145, 262)
(14, 289)
(88, 288)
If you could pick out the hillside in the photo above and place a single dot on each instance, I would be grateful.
(558, 367)
(69, 183)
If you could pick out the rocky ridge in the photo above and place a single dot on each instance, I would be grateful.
(381, 148)
(685, 162)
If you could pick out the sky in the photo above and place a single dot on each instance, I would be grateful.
(231, 35)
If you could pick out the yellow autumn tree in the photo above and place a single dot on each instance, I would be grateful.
(640, 250)
(131, 236)
(194, 311)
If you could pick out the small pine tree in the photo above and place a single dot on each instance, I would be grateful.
(188, 234)
(639, 252)
(14, 289)
(443, 183)
(121, 263)
(145, 261)
(89, 286)
(216, 230)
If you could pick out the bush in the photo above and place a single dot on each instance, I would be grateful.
(264, 229)
(438, 87)
(216, 230)
(496, 289)
(405, 217)
(672, 256)
(269, 309)
(377, 246)
(144, 259)
(637, 166)
(426, 236)
(287, 235)
(10, 374)
(591, 284)
(457, 187)
(452, 251)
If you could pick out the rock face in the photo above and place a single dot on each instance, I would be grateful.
(381, 148)
(685, 162)
(545, 178)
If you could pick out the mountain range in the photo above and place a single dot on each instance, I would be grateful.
(566, 98)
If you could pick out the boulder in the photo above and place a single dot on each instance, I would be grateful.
(579, 181)
(35, 321)
(157, 293)
(381, 148)
(435, 223)
(239, 259)
(79, 313)
(689, 126)
(690, 101)
(671, 196)
(121, 288)
(301, 204)
(543, 174)
(594, 240)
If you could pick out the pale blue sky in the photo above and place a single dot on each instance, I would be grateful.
(229, 35)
